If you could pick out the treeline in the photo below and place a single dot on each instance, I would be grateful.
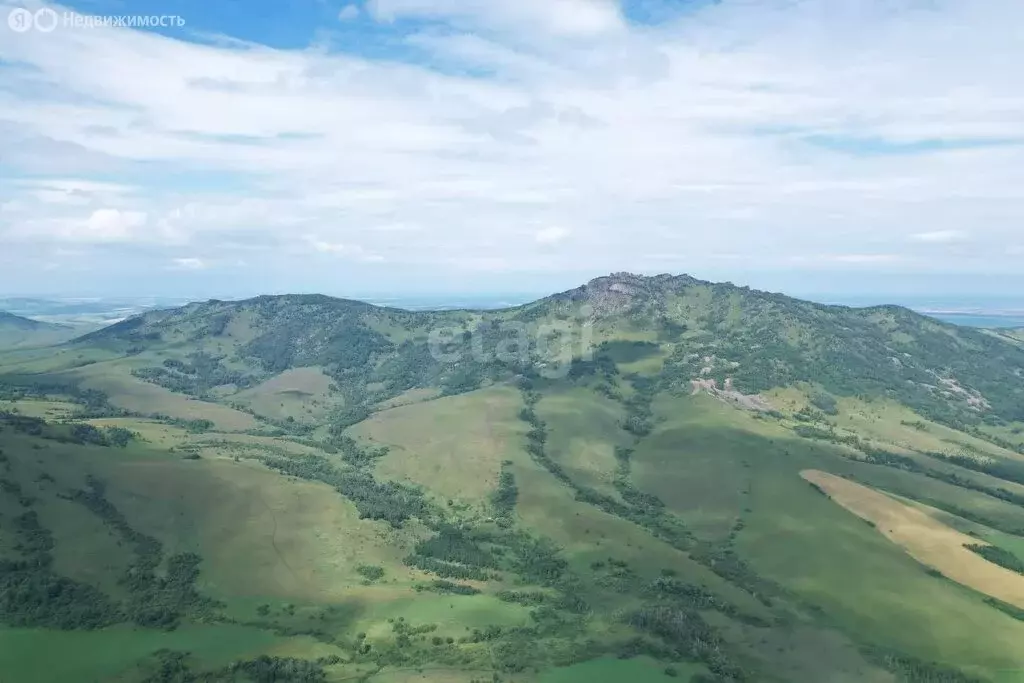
(79, 433)
(913, 670)
(155, 601)
(33, 596)
(196, 375)
(175, 667)
(94, 403)
(688, 636)
(479, 555)
(387, 501)
(999, 556)
(504, 498)
(445, 587)
(876, 456)
(454, 554)
(1001, 469)
(645, 510)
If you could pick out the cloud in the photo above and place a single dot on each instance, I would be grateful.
(864, 258)
(471, 123)
(348, 13)
(352, 251)
(552, 235)
(109, 225)
(560, 17)
(189, 263)
(940, 236)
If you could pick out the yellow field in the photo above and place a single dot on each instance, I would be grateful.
(925, 538)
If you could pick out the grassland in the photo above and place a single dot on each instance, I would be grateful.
(640, 670)
(698, 463)
(131, 393)
(348, 500)
(585, 430)
(114, 655)
(452, 446)
(926, 539)
(302, 394)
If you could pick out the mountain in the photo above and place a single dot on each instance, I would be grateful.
(1015, 335)
(698, 330)
(20, 332)
(656, 478)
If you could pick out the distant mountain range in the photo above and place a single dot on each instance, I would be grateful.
(993, 313)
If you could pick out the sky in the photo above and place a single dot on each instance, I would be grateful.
(830, 147)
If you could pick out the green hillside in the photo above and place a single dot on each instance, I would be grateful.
(16, 331)
(626, 480)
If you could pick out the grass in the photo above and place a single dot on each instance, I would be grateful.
(807, 653)
(889, 422)
(452, 446)
(866, 585)
(44, 656)
(587, 534)
(584, 429)
(132, 393)
(296, 546)
(700, 472)
(454, 615)
(301, 540)
(1008, 542)
(46, 409)
(50, 359)
(606, 670)
(934, 492)
(301, 394)
(925, 538)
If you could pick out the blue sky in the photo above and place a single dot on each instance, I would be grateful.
(830, 146)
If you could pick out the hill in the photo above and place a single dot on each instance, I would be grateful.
(655, 478)
(16, 331)
(715, 333)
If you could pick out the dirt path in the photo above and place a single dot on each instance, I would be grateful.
(273, 537)
(925, 538)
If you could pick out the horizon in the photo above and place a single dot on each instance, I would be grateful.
(983, 310)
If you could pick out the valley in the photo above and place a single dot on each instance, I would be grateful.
(652, 478)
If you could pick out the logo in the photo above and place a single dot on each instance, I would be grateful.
(20, 20)
(46, 20)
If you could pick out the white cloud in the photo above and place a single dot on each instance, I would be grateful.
(109, 225)
(348, 13)
(351, 251)
(864, 258)
(560, 17)
(940, 236)
(552, 235)
(189, 263)
(774, 132)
